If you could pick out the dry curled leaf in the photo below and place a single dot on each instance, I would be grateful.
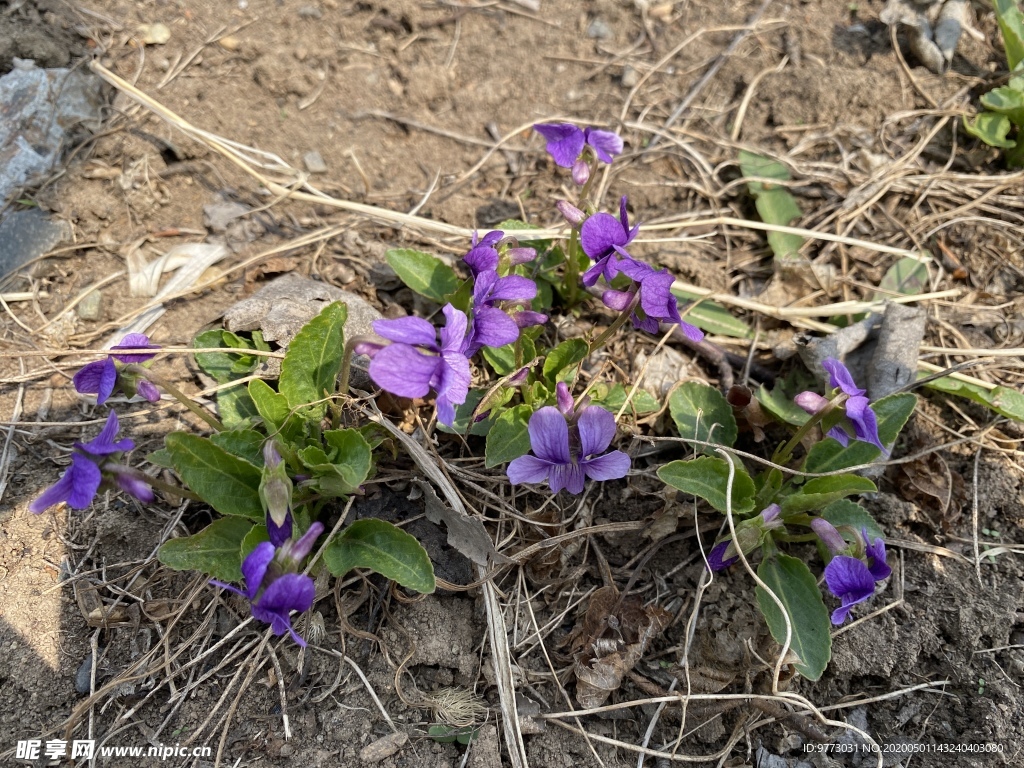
(613, 637)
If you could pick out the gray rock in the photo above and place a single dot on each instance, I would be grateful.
(34, 124)
(664, 370)
(599, 30)
(314, 162)
(630, 77)
(26, 235)
(89, 307)
(284, 305)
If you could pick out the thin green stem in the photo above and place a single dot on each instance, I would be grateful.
(572, 267)
(177, 394)
(784, 454)
(619, 321)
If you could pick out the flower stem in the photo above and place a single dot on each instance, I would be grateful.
(619, 321)
(180, 396)
(785, 453)
(572, 268)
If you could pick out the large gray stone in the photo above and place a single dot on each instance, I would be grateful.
(281, 307)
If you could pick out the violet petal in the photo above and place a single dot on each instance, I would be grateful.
(403, 370)
(407, 330)
(549, 435)
(96, 378)
(597, 430)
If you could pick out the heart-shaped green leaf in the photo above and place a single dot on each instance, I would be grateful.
(227, 483)
(708, 478)
(563, 358)
(384, 549)
(509, 438)
(702, 413)
(423, 273)
(846, 512)
(215, 550)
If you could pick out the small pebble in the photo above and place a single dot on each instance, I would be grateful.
(381, 749)
(599, 30)
(310, 12)
(230, 43)
(83, 676)
(630, 77)
(314, 162)
(89, 307)
(154, 34)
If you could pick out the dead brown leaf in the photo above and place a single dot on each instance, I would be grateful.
(613, 637)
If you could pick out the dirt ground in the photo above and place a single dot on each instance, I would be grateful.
(396, 98)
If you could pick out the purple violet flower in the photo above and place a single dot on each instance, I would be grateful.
(604, 239)
(414, 363)
(657, 303)
(565, 459)
(566, 142)
(272, 586)
(857, 407)
(491, 326)
(850, 578)
(90, 469)
(100, 377)
(483, 256)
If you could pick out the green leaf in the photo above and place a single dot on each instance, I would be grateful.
(566, 355)
(702, 413)
(311, 365)
(253, 539)
(351, 454)
(712, 317)
(846, 512)
(612, 398)
(1005, 101)
(892, 412)
(707, 477)
(906, 277)
(384, 549)
(235, 407)
(991, 128)
(501, 359)
(1003, 400)
(508, 438)
(244, 443)
(768, 484)
(781, 405)
(273, 409)
(227, 483)
(224, 366)
(1011, 24)
(161, 458)
(425, 274)
(794, 584)
(215, 550)
(822, 491)
(775, 205)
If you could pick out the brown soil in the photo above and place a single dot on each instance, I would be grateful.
(395, 97)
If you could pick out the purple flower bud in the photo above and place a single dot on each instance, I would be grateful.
(573, 215)
(770, 516)
(811, 402)
(716, 561)
(518, 378)
(147, 389)
(580, 172)
(294, 552)
(518, 256)
(829, 536)
(564, 398)
(270, 455)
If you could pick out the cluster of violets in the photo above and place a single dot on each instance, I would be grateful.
(95, 465)
(857, 565)
(565, 441)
